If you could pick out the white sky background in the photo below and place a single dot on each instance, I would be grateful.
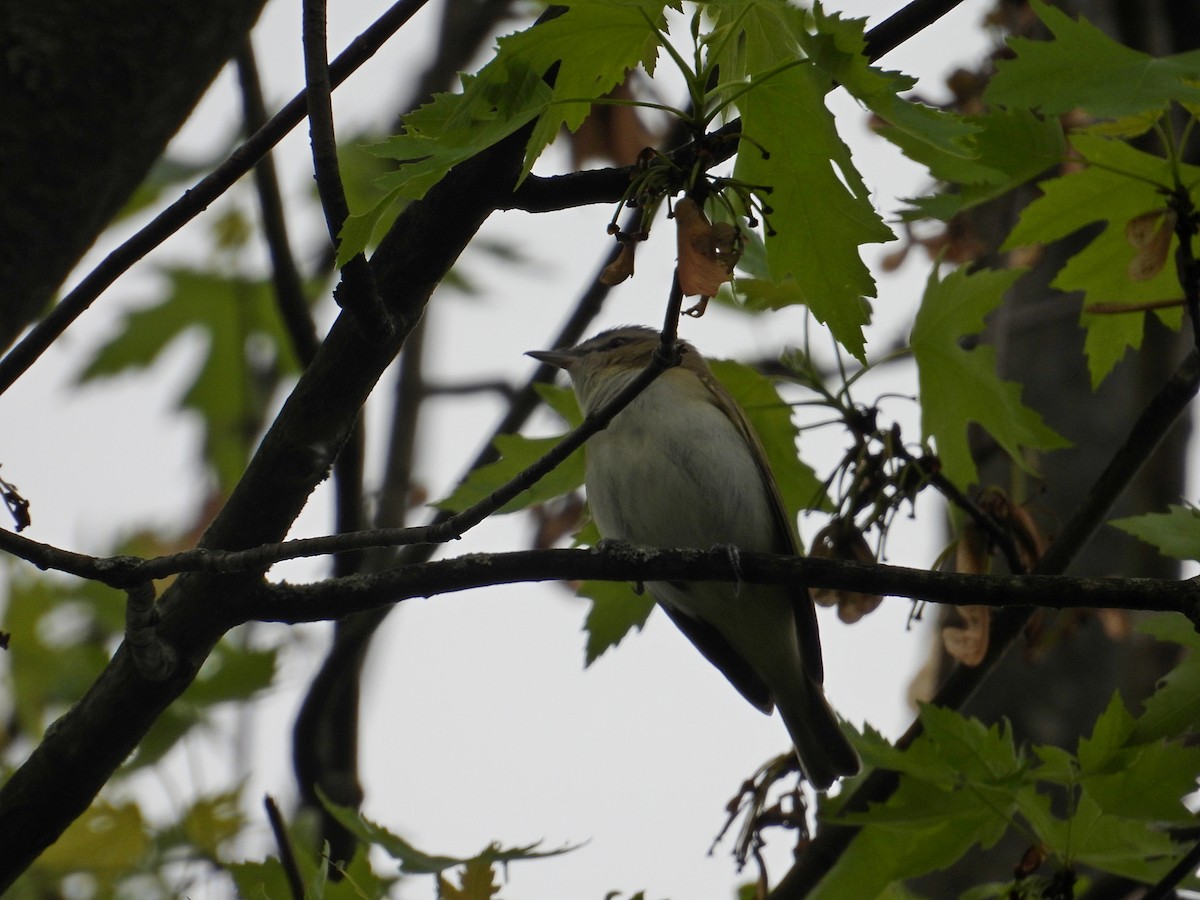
(480, 723)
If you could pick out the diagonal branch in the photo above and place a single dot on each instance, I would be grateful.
(1163, 410)
(288, 283)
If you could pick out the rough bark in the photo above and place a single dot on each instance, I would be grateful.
(90, 94)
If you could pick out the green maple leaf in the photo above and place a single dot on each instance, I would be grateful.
(591, 47)
(1174, 707)
(248, 350)
(1083, 67)
(820, 219)
(451, 128)
(1007, 149)
(414, 861)
(108, 841)
(477, 881)
(1119, 183)
(1150, 783)
(955, 792)
(595, 43)
(838, 46)
(762, 49)
(919, 829)
(518, 453)
(616, 610)
(1175, 533)
(958, 385)
(1108, 842)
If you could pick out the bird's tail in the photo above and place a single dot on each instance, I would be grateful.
(825, 752)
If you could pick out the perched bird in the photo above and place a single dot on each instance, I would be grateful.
(681, 467)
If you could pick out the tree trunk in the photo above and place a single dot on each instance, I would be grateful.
(1052, 687)
(89, 96)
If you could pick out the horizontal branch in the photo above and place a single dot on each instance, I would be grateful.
(337, 597)
(334, 598)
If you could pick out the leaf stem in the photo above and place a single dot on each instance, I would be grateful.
(757, 82)
(615, 101)
(694, 85)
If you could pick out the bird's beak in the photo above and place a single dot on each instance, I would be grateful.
(563, 359)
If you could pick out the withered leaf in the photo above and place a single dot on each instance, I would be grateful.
(968, 643)
(1150, 235)
(707, 254)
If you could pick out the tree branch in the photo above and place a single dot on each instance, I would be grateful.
(287, 856)
(289, 286)
(358, 292)
(338, 597)
(908, 22)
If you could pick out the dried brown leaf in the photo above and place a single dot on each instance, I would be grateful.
(1150, 235)
(706, 253)
(613, 133)
(842, 540)
(968, 643)
(620, 268)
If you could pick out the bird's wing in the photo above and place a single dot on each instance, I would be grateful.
(712, 644)
(806, 614)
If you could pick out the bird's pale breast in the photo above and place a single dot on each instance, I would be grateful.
(687, 477)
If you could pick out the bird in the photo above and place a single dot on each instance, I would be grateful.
(681, 467)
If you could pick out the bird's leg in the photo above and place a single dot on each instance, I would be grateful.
(618, 547)
(734, 556)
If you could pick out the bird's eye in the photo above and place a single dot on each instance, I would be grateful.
(614, 343)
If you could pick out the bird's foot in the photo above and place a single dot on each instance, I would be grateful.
(618, 547)
(734, 556)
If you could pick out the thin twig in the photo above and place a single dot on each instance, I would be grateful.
(1165, 888)
(358, 292)
(194, 201)
(287, 856)
(902, 25)
(466, 388)
(987, 523)
(289, 286)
